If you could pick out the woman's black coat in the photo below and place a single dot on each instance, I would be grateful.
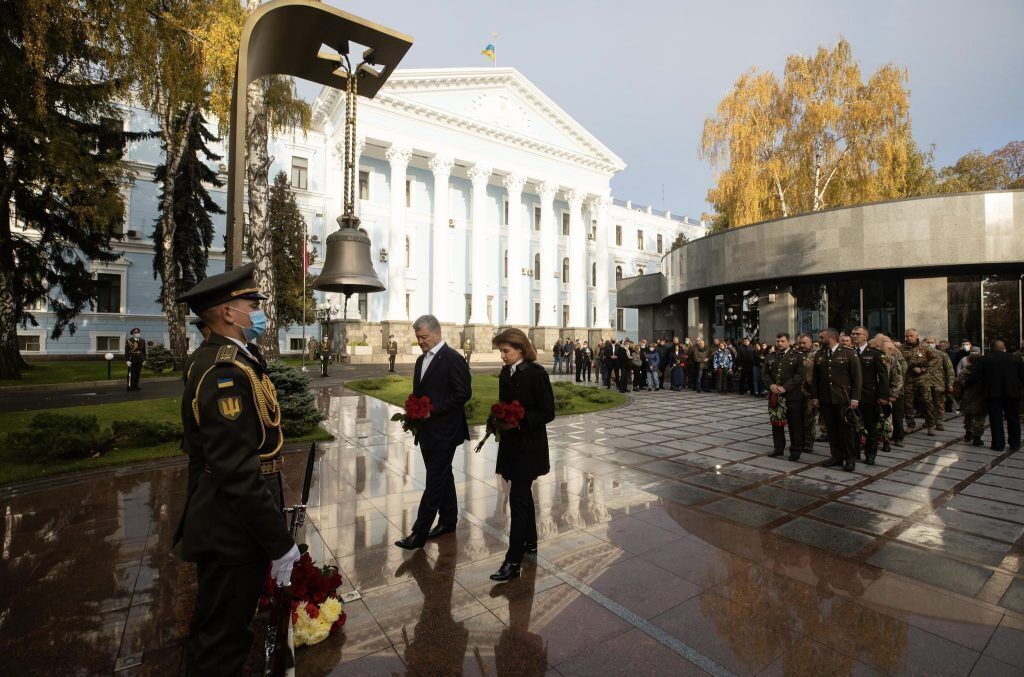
(523, 453)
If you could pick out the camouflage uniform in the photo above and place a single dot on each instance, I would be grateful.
(898, 387)
(940, 375)
(972, 404)
(895, 370)
(917, 386)
(810, 413)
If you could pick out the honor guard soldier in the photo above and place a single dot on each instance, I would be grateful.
(205, 331)
(467, 348)
(783, 374)
(232, 526)
(835, 387)
(323, 353)
(135, 354)
(392, 353)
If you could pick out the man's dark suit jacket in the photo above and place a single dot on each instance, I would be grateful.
(447, 384)
(1001, 372)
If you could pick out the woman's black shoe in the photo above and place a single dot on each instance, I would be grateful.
(531, 547)
(507, 572)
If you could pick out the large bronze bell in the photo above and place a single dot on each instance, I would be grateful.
(347, 266)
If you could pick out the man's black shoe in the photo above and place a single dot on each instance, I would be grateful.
(849, 467)
(531, 547)
(977, 442)
(778, 452)
(440, 530)
(507, 572)
(831, 463)
(1016, 448)
(412, 542)
(794, 457)
(996, 448)
(870, 460)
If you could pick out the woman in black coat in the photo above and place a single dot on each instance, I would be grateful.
(522, 450)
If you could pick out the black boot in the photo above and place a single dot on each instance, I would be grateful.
(507, 572)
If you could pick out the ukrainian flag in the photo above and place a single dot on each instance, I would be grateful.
(488, 51)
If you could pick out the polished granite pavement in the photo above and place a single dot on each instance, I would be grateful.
(671, 543)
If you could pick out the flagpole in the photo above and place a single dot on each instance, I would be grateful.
(494, 61)
(305, 254)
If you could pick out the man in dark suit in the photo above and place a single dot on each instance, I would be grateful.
(835, 387)
(784, 375)
(620, 365)
(442, 375)
(874, 389)
(745, 358)
(1002, 374)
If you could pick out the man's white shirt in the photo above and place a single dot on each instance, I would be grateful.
(429, 356)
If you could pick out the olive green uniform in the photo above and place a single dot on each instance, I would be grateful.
(942, 374)
(810, 416)
(917, 387)
(972, 403)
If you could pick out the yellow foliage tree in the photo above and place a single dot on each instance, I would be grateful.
(823, 137)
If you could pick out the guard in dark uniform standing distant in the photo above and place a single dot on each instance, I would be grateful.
(323, 353)
(783, 375)
(835, 387)
(392, 353)
(232, 526)
(135, 354)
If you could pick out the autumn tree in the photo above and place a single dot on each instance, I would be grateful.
(61, 174)
(822, 137)
(1000, 170)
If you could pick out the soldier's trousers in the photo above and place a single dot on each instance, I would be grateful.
(221, 634)
(918, 392)
(938, 405)
(869, 413)
(135, 372)
(391, 362)
(795, 423)
(897, 420)
(974, 424)
(810, 424)
(840, 434)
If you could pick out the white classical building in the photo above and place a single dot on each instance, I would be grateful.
(486, 205)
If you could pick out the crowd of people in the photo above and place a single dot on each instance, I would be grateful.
(892, 388)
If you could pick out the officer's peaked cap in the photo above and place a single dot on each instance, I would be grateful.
(235, 284)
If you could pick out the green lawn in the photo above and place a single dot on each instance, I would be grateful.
(15, 467)
(395, 390)
(74, 371)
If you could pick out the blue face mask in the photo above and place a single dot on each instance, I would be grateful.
(259, 324)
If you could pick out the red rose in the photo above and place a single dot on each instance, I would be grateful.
(312, 610)
(295, 618)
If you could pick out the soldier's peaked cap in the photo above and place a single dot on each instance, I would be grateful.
(235, 284)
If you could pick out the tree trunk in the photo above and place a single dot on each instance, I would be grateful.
(11, 361)
(174, 144)
(261, 244)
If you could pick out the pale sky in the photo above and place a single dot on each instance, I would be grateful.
(642, 76)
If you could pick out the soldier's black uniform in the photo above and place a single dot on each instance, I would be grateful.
(392, 353)
(787, 370)
(323, 353)
(135, 354)
(874, 387)
(232, 526)
(836, 381)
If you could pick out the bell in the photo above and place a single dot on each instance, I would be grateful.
(347, 267)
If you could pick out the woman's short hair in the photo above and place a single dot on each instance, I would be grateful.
(518, 340)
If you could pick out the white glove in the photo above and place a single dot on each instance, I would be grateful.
(129, 363)
(281, 568)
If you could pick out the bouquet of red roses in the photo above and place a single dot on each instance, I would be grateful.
(503, 416)
(316, 610)
(416, 410)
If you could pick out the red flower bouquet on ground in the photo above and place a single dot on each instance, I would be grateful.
(503, 416)
(316, 609)
(416, 410)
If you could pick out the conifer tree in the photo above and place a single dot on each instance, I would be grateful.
(191, 226)
(287, 229)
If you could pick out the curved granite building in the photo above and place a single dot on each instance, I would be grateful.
(950, 266)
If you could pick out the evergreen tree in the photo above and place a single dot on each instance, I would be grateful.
(61, 174)
(192, 205)
(287, 228)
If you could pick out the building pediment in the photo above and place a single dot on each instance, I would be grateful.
(498, 103)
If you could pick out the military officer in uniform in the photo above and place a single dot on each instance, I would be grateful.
(941, 375)
(836, 386)
(232, 526)
(805, 344)
(392, 353)
(783, 374)
(467, 349)
(135, 354)
(323, 353)
(917, 386)
(874, 389)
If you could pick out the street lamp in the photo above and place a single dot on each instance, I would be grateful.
(109, 357)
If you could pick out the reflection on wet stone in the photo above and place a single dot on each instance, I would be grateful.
(651, 553)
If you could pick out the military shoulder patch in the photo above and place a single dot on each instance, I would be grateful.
(227, 354)
(225, 382)
(230, 407)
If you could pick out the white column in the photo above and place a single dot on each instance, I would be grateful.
(441, 165)
(483, 244)
(517, 289)
(398, 156)
(599, 210)
(577, 261)
(548, 255)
